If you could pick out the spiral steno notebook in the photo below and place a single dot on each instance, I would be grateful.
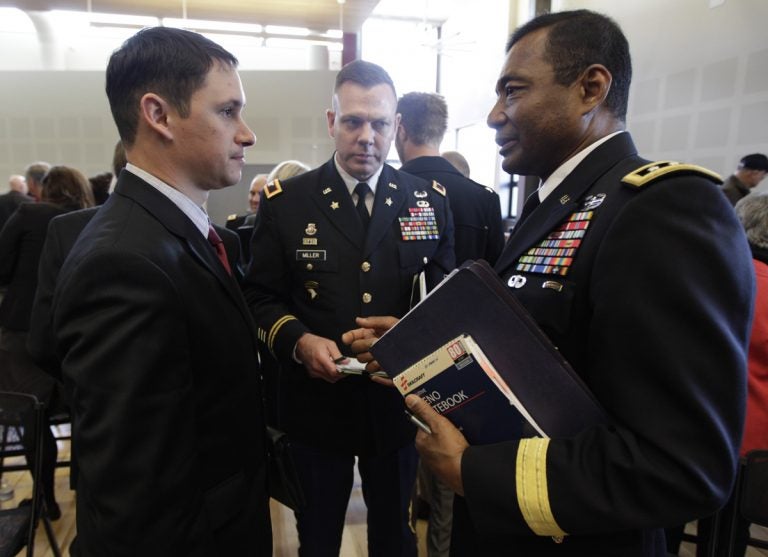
(474, 301)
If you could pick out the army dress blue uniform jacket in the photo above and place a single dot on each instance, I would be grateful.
(649, 299)
(478, 229)
(312, 270)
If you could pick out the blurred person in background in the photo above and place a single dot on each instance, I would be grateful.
(34, 176)
(16, 195)
(64, 189)
(750, 172)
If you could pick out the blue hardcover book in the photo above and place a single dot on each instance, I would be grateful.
(459, 382)
(473, 301)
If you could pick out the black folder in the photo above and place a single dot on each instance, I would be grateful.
(474, 301)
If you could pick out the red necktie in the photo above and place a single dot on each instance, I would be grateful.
(218, 244)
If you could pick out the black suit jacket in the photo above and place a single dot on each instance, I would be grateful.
(312, 269)
(478, 229)
(63, 232)
(159, 355)
(652, 307)
(21, 242)
(9, 202)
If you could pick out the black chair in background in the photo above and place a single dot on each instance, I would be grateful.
(725, 533)
(22, 418)
(751, 502)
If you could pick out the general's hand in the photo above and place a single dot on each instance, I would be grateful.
(317, 354)
(441, 450)
(360, 340)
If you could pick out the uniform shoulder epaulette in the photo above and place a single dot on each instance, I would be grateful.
(231, 217)
(438, 187)
(273, 188)
(489, 189)
(654, 171)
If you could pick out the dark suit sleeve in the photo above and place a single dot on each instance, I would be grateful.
(124, 329)
(268, 286)
(671, 293)
(40, 342)
(10, 236)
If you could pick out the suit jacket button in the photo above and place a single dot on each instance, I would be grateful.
(365, 266)
(367, 298)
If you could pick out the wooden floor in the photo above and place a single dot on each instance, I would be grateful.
(354, 541)
(285, 541)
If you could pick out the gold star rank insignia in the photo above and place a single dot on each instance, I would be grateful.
(388, 201)
(334, 205)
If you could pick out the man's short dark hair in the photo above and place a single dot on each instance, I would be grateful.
(424, 116)
(365, 74)
(172, 63)
(578, 39)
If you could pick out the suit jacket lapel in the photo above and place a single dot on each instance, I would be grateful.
(178, 224)
(332, 198)
(387, 203)
(564, 200)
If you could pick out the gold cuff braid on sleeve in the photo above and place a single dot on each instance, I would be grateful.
(532, 490)
(275, 329)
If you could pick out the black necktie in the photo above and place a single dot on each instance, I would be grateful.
(218, 244)
(362, 190)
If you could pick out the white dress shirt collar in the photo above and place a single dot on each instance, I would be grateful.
(195, 213)
(350, 181)
(562, 172)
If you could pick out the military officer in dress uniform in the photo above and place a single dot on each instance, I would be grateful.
(347, 239)
(639, 274)
(235, 220)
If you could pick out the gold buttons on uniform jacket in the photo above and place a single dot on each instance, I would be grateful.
(310, 266)
(365, 266)
(367, 298)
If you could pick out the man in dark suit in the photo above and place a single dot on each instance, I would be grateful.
(349, 238)
(15, 197)
(639, 274)
(157, 345)
(33, 175)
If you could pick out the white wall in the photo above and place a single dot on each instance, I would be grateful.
(700, 86)
(64, 118)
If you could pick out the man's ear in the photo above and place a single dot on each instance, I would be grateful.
(402, 133)
(595, 83)
(330, 115)
(154, 112)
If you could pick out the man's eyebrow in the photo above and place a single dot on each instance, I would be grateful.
(503, 80)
